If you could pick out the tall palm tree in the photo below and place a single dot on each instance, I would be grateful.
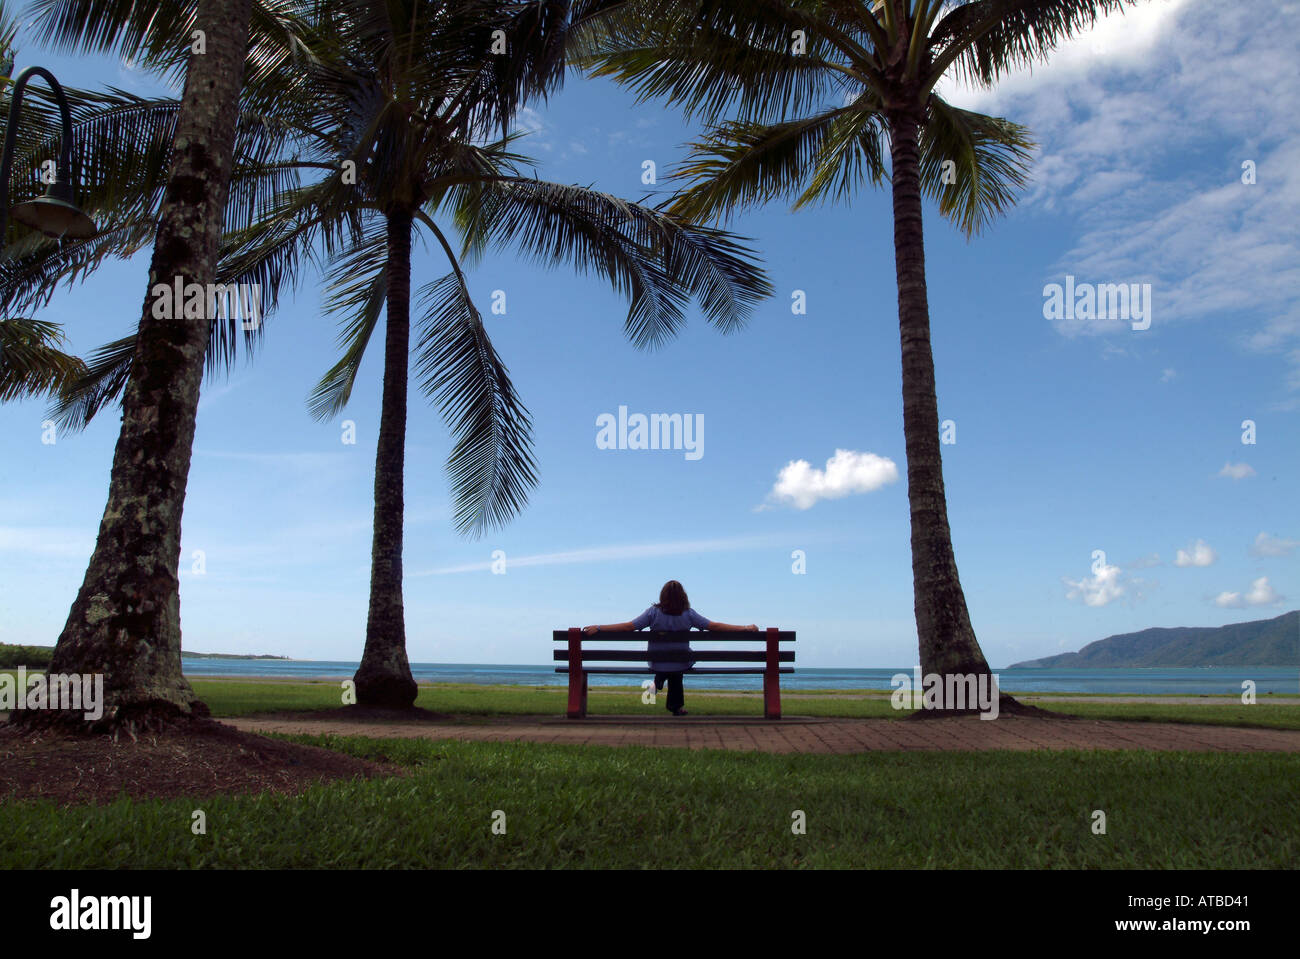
(124, 622)
(811, 98)
(408, 99)
(389, 126)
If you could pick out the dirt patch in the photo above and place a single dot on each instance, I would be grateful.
(203, 758)
(1007, 706)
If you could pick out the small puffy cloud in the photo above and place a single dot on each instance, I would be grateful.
(1266, 545)
(1102, 587)
(1168, 375)
(1237, 470)
(1198, 554)
(1259, 594)
(799, 484)
(1146, 562)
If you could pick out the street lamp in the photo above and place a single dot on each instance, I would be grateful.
(56, 213)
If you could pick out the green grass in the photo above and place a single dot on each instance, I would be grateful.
(242, 697)
(569, 806)
(1262, 717)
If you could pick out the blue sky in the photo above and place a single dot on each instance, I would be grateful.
(1072, 436)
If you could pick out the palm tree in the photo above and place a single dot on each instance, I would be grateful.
(828, 94)
(408, 99)
(125, 620)
(390, 120)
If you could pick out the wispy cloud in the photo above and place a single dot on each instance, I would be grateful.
(1117, 112)
(310, 461)
(57, 541)
(606, 554)
(1237, 471)
(1266, 545)
(211, 395)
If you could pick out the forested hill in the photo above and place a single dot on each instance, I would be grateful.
(1265, 642)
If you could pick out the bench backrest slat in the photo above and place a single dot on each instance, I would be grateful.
(697, 636)
(674, 655)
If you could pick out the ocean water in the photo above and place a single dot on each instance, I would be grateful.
(1187, 682)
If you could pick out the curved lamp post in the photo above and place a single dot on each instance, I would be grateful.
(56, 213)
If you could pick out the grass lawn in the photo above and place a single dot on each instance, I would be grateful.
(629, 807)
(626, 807)
(231, 697)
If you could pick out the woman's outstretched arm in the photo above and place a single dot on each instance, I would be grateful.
(728, 628)
(616, 626)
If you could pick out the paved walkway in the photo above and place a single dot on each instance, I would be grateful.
(797, 735)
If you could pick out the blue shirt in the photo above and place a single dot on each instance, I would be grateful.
(656, 618)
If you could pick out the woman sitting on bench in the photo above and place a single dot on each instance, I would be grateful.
(672, 613)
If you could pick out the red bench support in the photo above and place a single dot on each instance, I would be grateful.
(772, 677)
(577, 676)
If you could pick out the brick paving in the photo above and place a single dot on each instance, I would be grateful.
(800, 735)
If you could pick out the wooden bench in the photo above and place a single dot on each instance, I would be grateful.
(770, 655)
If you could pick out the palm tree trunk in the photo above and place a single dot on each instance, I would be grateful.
(125, 621)
(384, 676)
(946, 637)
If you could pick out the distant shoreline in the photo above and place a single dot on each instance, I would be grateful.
(186, 654)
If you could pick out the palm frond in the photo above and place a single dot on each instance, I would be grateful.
(742, 164)
(32, 359)
(974, 165)
(101, 382)
(716, 57)
(655, 258)
(158, 36)
(985, 39)
(359, 295)
(491, 465)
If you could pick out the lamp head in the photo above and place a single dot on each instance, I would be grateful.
(55, 215)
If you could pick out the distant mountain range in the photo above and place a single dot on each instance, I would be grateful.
(1265, 642)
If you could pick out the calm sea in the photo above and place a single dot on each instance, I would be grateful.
(1135, 681)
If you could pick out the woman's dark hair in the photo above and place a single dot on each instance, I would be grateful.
(672, 599)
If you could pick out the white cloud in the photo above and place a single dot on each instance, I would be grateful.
(799, 484)
(1266, 545)
(1197, 554)
(1102, 587)
(1237, 470)
(1260, 594)
(1168, 375)
(1146, 562)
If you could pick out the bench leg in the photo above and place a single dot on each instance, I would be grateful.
(771, 697)
(577, 695)
(577, 676)
(772, 678)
